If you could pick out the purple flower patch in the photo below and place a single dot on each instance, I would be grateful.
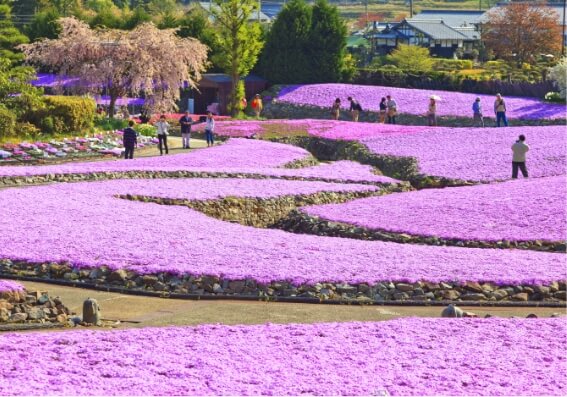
(7, 286)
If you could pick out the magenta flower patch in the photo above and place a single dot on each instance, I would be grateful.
(522, 210)
(84, 223)
(410, 356)
(7, 285)
(413, 101)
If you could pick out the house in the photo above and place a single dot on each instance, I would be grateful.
(453, 18)
(256, 16)
(441, 39)
(214, 88)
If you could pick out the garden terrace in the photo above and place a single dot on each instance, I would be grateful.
(253, 258)
(414, 101)
(526, 213)
(517, 356)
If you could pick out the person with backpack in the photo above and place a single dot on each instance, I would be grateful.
(500, 110)
(210, 129)
(130, 140)
(186, 122)
(355, 108)
(392, 107)
(477, 113)
(383, 110)
(162, 133)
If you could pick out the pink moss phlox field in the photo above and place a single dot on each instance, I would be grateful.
(7, 285)
(414, 101)
(84, 223)
(409, 356)
(520, 210)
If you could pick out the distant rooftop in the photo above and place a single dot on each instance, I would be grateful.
(253, 17)
(436, 29)
(452, 18)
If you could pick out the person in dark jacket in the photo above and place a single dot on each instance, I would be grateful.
(186, 122)
(130, 140)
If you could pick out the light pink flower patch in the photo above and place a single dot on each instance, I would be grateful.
(414, 101)
(522, 210)
(411, 356)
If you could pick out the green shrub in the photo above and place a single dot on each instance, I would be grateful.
(145, 129)
(27, 130)
(7, 122)
(452, 64)
(71, 113)
(107, 124)
(554, 97)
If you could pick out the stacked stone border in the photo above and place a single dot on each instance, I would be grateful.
(284, 110)
(302, 223)
(169, 285)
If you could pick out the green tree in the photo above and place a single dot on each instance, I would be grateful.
(10, 36)
(285, 58)
(137, 17)
(327, 43)
(239, 39)
(412, 58)
(195, 23)
(44, 25)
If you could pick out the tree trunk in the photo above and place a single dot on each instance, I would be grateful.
(113, 99)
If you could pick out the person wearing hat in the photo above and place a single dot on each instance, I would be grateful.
(257, 105)
(431, 112)
(500, 110)
(477, 113)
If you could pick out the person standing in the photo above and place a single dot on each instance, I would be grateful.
(186, 122)
(519, 150)
(162, 133)
(477, 113)
(210, 129)
(257, 105)
(130, 140)
(355, 108)
(392, 108)
(336, 109)
(383, 110)
(431, 112)
(500, 110)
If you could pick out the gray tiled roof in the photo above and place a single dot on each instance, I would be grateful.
(437, 30)
(470, 32)
(452, 18)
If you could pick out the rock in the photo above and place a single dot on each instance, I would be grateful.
(473, 286)
(520, 296)
(488, 316)
(346, 289)
(452, 311)
(488, 287)
(217, 289)
(149, 280)
(4, 315)
(71, 276)
(96, 274)
(500, 294)
(91, 312)
(418, 291)
(450, 295)
(326, 292)
(18, 317)
(404, 287)
(4, 304)
(159, 286)
(400, 296)
(118, 275)
(61, 318)
(431, 286)
(236, 286)
(555, 315)
(560, 295)
(446, 286)
(542, 289)
(36, 313)
(531, 315)
(43, 299)
(473, 297)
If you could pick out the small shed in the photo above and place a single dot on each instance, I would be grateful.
(215, 88)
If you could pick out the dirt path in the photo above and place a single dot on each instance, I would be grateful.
(147, 311)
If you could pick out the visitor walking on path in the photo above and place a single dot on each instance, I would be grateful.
(383, 110)
(186, 122)
(257, 105)
(477, 113)
(210, 129)
(500, 110)
(162, 133)
(355, 108)
(130, 140)
(431, 112)
(336, 109)
(392, 108)
(519, 150)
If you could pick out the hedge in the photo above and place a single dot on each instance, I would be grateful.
(7, 122)
(70, 113)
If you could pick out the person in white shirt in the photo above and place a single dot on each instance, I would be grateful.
(392, 107)
(162, 133)
(519, 150)
(210, 129)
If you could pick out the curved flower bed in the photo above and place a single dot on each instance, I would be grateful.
(415, 101)
(84, 224)
(8, 286)
(522, 210)
(400, 357)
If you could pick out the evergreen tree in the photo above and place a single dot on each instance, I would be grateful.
(326, 44)
(285, 58)
(10, 36)
(44, 25)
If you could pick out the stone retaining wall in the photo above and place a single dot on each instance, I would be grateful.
(31, 307)
(300, 222)
(206, 286)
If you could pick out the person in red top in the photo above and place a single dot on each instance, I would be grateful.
(257, 105)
